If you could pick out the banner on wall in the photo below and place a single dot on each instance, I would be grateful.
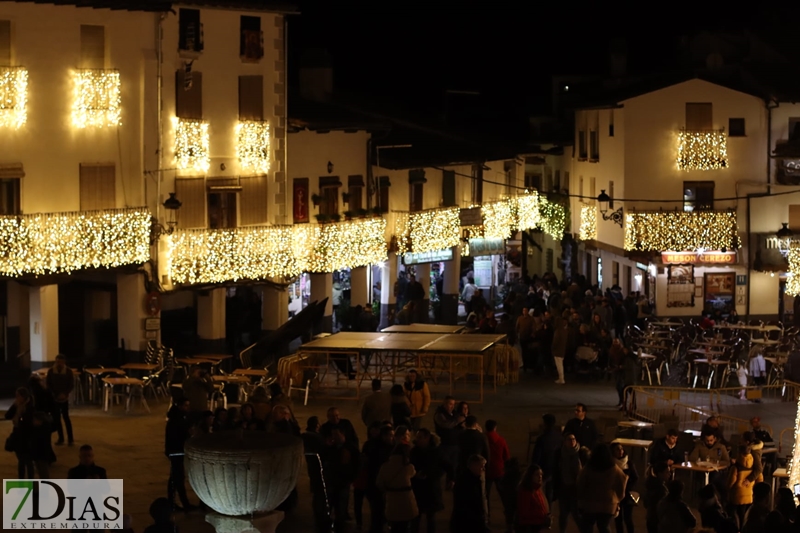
(479, 247)
(300, 200)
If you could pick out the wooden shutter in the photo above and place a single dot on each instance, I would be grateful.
(98, 187)
(251, 97)
(192, 194)
(5, 43)
(355, 189)
(699, 117)
(448, 188)
(189, 102)
(794, 217)
(93, 46)
(254, 200)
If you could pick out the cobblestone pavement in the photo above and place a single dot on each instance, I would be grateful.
(131, 446)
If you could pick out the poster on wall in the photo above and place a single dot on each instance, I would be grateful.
(300, 200)
(680, 286)
(482, 271)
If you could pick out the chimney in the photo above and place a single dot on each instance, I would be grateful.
(316, 75)
(618, 58)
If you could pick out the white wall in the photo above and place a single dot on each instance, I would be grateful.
(46, 40)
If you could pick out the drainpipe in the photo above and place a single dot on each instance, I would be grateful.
(770, 107)
(287, 193)
(749, 262)
(160, 89)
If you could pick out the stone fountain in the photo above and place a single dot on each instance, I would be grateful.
(243, 477)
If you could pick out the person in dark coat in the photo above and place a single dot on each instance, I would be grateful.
(399, 408)
(336, 421)
(625, 516)
(544, 452)
(655, 491)
(449, 424)
(471, 442)
(427, 484)
(87, 469)
(712, 513)
(582, 427)
(312, 448)
(44, 402)
(21, 415)
(377, 452)
(470, 514)
(341, 460)
(666, 450)
(41, 447)
(177, 433)
(568, 464)
(60, 381)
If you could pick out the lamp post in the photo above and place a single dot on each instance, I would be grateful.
(604, 200)
(171, 205)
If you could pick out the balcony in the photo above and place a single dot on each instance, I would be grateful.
(702, 150)
(97, 100)
(264, 252)
(13, 97)
(659, 231)
(58, 243)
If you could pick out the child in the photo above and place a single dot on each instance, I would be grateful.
(740, 488)
(533, 512)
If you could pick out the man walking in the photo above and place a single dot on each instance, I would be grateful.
(419, 397)
(377, 406)
(61, 382)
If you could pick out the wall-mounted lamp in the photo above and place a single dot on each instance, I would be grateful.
(604, 200)
(171, 205)
(330, 167)
(784, 236)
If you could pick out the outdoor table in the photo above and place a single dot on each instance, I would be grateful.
(241, 383)
(701, 466)
(711, 344)
(214, 356)
(692, 432)
(139, 366)
(92, 374)
(252, 372)
(766, 342)
(714, 362)
(127, 382)
(637, 424)
(423, 328)
(777, 474)
(667, 324)
(646, 358)
(635, 443)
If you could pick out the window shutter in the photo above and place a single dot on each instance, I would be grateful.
(253, 200)
(251, 97)
(93, 46)
(189, 102)
(794, 217)
(98, 187)
(699, 117)
(448, 188)
(192, 194)
(5, 43)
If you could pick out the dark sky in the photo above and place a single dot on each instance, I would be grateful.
(410, 52)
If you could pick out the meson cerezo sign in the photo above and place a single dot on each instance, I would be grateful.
(65, 504)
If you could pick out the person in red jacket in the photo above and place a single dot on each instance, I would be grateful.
(533, 513)
(498, 455)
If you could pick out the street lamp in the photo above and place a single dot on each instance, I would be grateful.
(784, 236)
(604, 200)
(171, 205)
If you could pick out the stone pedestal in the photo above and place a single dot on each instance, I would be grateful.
(264, 523)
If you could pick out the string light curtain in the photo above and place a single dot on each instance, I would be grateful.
(56, 243)
(681, 231)
(794, 461)
(553, 218)
(588, 229)
(13, 97)
(702, 150)
(191, 144)
(526, 211)
(428, 231)
(263, 252)
(97, 100)
(498, 220)
(253, 145)
(793, 280)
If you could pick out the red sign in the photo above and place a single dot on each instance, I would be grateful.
(300, 200)
(725, 258)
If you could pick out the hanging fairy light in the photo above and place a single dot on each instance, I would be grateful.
(681, 230)
(13, 97)
(702, 150)
(191, 144)
(253, 145)
(588, 229)
(793, 279)
(498, 220)
(428, 231)
(97, 100)
(526, 211)
(553, 218)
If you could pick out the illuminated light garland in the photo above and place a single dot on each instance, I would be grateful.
(191, 144)
(588, 229)
(702, 150)
(794, 461)
(553, 218)
(13, 96)
(681, 231)
(402, 230)
(253, 145)
(498, 220)
(470, 232)
(526, 211)
(432, 230)
(262, 252)
(97, 100)
(793, 283)
(55, 243)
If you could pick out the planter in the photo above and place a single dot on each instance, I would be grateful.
(243, 473)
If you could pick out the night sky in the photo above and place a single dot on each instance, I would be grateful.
(409, 53)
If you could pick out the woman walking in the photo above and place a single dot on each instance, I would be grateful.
(625, 517)
(601, 488)
(21, 415)
(533, 512)
(394, 479)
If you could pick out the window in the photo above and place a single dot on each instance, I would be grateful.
(222, 209)
(794, 128)
(699, 117)
(565, 184)
(5, 43)
(698, 195)
(557, 181)
(190, 32)
(416, 183)
(794, 217)
(594, 146)
(251, 97)
(477, 184)
(533, 181)
(736, 127)
(329, 191)
(189, 95)
(355, 193)
(192, 194)
(448, 188)
(93, 47)
(548, 180)
(9, 196)
(592, 189)
(611, 130)
(98, 187)
(510, 170)
(581, 145)
(251, 42)
(253, 200)
(383, 193)
(580, 186)
(611, 194)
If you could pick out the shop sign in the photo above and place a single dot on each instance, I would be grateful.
(478, 247)
(428, 257)
(725, 258)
